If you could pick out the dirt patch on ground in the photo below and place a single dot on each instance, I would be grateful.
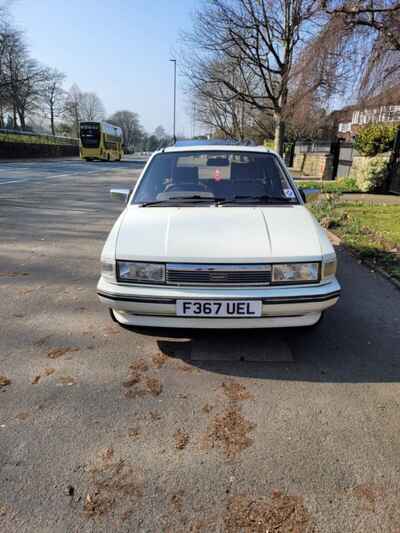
(55, 353)
(234, 390)
(278, 514)
(181, 439)
(230, 431)
(114, 486)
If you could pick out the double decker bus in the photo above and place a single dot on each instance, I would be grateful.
(100, 140)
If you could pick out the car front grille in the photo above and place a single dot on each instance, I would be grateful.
(209, 274)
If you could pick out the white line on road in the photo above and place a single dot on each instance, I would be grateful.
(44, 178)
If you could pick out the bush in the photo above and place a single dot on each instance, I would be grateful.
(375, 139)
(339, 186)
(370, 172)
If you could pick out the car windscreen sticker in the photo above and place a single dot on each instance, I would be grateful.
(288, 193)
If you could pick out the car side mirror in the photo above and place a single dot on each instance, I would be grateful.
(309, 195)
(121, 195)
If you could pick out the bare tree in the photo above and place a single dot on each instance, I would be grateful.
(129, 122)
(263, 39)
(91, 107)
(377, 24)
(53, 95)
(72, 109)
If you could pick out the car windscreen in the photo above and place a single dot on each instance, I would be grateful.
(90, 134)
(230, 176)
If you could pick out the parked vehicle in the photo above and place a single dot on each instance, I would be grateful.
(217, 237)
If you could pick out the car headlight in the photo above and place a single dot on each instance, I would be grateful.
(141, 272)
(295, 273)
(108, 269)
(329, 268)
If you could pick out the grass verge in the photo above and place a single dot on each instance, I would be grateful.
(336, 186)
(371, 232)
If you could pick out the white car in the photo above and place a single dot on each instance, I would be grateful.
(216, 237)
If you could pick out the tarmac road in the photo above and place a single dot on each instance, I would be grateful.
(109, 429)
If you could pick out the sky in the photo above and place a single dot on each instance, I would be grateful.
(119, 49)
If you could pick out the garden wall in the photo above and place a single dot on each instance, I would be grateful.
(318, 165)
(15, 145)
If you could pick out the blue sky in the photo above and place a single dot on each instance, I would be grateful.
(119, 49)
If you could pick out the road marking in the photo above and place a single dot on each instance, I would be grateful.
(44, 178)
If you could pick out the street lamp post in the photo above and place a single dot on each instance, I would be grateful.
(174, 123)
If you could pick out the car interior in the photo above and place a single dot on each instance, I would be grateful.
(212, 176)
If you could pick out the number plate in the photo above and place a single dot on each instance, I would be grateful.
(219, 308)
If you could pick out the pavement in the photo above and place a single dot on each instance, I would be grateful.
(376, 199)
(105, 429)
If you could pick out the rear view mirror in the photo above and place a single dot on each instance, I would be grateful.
(309, 195)
(120, 195)
(217, 162)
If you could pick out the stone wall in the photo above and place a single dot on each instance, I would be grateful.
(314, 164)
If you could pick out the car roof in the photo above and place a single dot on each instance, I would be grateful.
(217, 148)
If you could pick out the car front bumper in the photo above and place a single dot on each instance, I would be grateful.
(141, 305)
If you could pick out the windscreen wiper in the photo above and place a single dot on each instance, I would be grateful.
(176, 199)
(265, 198)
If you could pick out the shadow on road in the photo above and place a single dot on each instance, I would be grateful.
(357, 342)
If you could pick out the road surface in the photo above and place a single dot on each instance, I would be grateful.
(110, 429)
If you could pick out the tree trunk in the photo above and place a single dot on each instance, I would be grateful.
(14, 117)
(52, 120)
(279, 133)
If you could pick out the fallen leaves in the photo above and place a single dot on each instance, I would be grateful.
(181, 439)
(234, 390)
(67, 380)
(4, 381)
(133, 379)
(22, 416)
(133, 433)
(280, 513)
(139, 365)
(229, 431)
(107, 454)
(46, 372)
(177, 501)
(207, 408)
(13, 274)
(153, 385)
(55, 353)
(368, 495)
(159, 359)
(113, 484)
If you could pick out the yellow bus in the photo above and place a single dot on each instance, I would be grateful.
(100, 140)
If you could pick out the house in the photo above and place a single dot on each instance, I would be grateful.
(383, 108)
